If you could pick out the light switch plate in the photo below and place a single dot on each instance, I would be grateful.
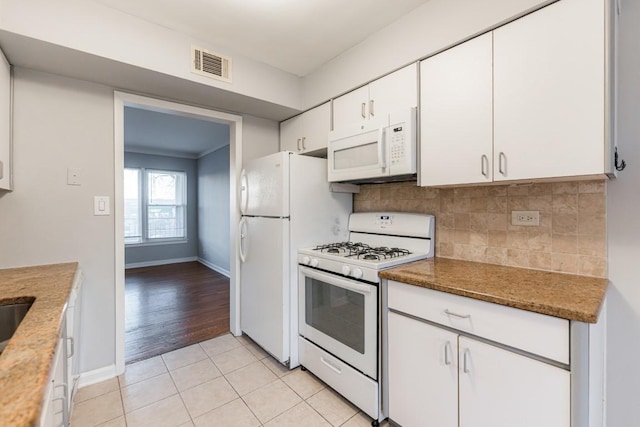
(101, 205)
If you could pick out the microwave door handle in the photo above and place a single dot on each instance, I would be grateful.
(382, 152)
(336, 281)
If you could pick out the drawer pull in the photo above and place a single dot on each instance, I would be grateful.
(330, 366)
(460, 316)
(447, 353)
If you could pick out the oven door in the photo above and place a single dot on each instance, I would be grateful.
(357, 154)
(341, 316)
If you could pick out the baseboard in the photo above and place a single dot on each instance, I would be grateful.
(97, 376)
(214, 267)
(160, 262)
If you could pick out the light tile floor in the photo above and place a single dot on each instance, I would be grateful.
(226, 381)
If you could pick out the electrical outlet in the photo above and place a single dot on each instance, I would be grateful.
(526, 218)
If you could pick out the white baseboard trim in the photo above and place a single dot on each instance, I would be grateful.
(160, 262)
(214, 267)
(97, 375)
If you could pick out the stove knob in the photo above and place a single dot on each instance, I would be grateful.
(313, 262)
(357, 273)
(305, 260)
(346, 270)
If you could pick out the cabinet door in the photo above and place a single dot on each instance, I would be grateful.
(549, 93)
(501, 388)
(397, 91)
(351, 108)
(316, 127)
(456, 98)
(291, 134)
(423, 375)
(5, 124)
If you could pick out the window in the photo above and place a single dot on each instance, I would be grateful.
(154, 205)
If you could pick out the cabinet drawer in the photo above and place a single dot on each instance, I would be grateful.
(535, 333)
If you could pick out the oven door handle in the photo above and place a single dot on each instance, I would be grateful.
(336, 281)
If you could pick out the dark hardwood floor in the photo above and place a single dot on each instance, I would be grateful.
(173, 306)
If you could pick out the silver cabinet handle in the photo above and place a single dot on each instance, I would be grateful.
(362, 110)
(299, 144)
(484, 165)
(73, 348)
(502, 166)
(461, 316)
(465, 361)
(447, 353)
(371, 108)
(304, 139)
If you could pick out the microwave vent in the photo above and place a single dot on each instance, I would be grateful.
(210, 64)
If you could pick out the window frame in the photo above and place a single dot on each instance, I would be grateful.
(144, 203)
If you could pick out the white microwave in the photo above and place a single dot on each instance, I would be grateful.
(376, 151)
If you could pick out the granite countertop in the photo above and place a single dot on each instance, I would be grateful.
(556, 294)
(26, 361)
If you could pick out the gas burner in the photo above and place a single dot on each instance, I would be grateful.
(371, 257)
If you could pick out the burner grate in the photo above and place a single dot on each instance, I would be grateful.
(362, 251)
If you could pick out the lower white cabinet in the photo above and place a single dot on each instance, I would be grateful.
(55, 411)
(454, 361)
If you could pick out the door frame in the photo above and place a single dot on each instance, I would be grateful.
(121, 100)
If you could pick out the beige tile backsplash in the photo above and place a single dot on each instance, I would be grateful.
(474, 223)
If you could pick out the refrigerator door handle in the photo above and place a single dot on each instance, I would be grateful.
(244, 192)
(242, 234)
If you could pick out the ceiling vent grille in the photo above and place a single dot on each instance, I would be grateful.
(210, 64)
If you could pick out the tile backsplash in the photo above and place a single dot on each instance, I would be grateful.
(474, 223)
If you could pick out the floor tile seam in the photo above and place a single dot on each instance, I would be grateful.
(318, 412)
(124, 415)
(148, 404)
(188, 364)
(349, 419)
(197, 385)
(186, 408)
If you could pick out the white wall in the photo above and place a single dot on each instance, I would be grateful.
(623, 232)
(61, 123)
(260, 137)
(91, 27)
(213, 209)
(430, 28)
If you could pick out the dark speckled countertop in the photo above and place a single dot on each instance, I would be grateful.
(26, 361)
(561, 295)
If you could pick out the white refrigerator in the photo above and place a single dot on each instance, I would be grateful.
(286, 204)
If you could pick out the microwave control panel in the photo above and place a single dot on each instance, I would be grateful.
(397, 144)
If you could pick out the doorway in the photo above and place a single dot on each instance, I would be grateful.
(124, 101)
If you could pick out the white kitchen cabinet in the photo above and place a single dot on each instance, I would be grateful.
(5, 125)
(394, 92)
(456, 115)
(528, 101)
(452, 361)
(423, 373)
(72, 334)
(549, 92)
(502, 388)
(54, 407)
(307, 132)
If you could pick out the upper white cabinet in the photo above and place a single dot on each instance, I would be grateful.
(5, 124)
(549, 92)
(456, 115)
(526, 101)
(393, 92)
(308, 131)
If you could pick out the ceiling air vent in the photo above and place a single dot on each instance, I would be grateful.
(210, 64)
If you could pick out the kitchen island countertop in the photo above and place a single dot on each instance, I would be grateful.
(566, 296)
(26, 361)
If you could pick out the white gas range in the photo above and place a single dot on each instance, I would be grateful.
(339, 304)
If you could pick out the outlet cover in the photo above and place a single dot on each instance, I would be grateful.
(526, 218)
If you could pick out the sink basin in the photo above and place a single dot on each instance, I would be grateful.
(10, 317)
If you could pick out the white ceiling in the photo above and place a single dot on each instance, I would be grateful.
(296, 36)
(166, 134)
